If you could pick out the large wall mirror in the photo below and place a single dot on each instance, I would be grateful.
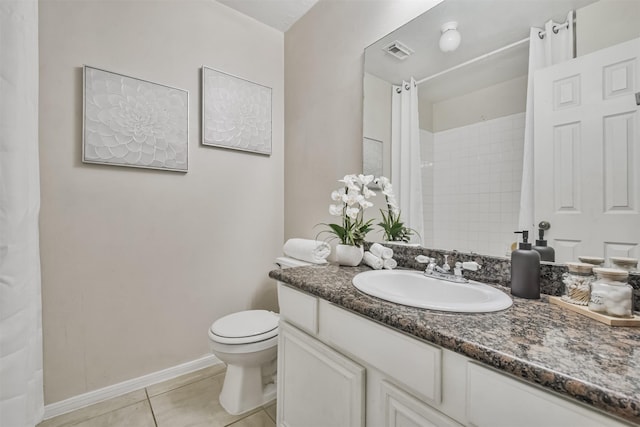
(477, 103)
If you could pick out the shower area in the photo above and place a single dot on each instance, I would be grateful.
(475, 115)
(471, 179)
(476, 136)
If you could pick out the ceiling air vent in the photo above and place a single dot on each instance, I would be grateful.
(398, 50)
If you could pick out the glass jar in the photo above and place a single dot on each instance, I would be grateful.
(611, 294)
(595, 260)
(577, 283)
(623, 263)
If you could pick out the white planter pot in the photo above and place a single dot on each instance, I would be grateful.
(348, 255)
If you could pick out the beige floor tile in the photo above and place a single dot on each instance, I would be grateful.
(75, 417)
(193, 405)
(260, 419)
(137, 415)
(185, 379)
(271, 410)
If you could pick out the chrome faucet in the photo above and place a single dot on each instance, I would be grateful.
(444, 272)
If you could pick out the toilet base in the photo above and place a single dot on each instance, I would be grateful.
(244, 390)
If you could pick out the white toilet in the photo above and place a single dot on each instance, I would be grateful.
(247, 342)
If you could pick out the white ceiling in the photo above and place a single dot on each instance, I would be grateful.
(279, 14)
(485, 26)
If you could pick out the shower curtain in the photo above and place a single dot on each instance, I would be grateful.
(551, 49)
(21, 394)
(406, 174)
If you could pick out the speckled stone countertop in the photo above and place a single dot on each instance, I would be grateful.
(533, 340)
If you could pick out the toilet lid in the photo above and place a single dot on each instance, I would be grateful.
(245, 326)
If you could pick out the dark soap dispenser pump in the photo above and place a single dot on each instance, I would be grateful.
(547, 253)
(525, 270)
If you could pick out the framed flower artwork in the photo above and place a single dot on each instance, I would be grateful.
(236, 113)
(134, 122)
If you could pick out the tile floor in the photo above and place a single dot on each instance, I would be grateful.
(190, 400)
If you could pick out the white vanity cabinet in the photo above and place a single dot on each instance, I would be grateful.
(337, 368)
(496, 400)
(318, 386)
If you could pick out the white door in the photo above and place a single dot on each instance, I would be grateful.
(317, 386)
(587, 153)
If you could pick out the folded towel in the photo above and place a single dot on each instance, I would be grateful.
(423, 259)
(381, 251)
(372, 261)
(314, 251)
(389, 264)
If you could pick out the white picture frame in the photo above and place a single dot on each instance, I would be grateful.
(236, 113)
(134, 122)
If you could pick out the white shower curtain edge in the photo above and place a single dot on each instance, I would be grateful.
(21, 394)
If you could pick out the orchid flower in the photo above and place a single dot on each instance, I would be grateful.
(335, 210)
(367, 193)
(394, 229)
(351, 202)
(352, 212)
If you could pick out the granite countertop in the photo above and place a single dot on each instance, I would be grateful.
(533, 340)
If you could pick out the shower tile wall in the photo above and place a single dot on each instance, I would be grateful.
(476, 185)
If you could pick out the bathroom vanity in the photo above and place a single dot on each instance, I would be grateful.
(348, 359)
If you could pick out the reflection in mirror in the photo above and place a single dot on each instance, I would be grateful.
(476, 107)
(372, 157)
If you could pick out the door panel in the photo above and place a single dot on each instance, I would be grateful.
(587, 153)
(317, 387)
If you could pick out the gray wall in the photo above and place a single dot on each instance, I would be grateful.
(136, 264)
(376, 122)
(324, 56)
(492, 102)
(606, 23)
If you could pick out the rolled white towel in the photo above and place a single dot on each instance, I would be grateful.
(381, 251)
(423, 259)
(314, 251)
(372, 261)
(389, 264)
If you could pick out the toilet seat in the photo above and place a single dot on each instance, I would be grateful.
(245, 327)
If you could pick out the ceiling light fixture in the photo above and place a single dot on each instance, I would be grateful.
(450, 38)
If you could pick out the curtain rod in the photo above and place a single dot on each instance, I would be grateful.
(476, 59)
(541, 34)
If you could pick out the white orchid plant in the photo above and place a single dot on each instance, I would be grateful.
(394, 229)
(352, 200)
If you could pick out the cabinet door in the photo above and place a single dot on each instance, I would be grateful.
(317, 386)
(495, 400)
(403, 410)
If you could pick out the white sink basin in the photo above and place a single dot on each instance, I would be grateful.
(414, 289)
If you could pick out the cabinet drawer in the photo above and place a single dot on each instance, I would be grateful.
(298, 308)
(495, 400)
(413, 364)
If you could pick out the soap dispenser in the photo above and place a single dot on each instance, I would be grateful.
(547, 253)
(525, 270)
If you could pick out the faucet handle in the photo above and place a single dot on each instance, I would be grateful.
(457, 270)
(446, 266)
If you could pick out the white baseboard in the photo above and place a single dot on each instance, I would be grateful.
(115, 390)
